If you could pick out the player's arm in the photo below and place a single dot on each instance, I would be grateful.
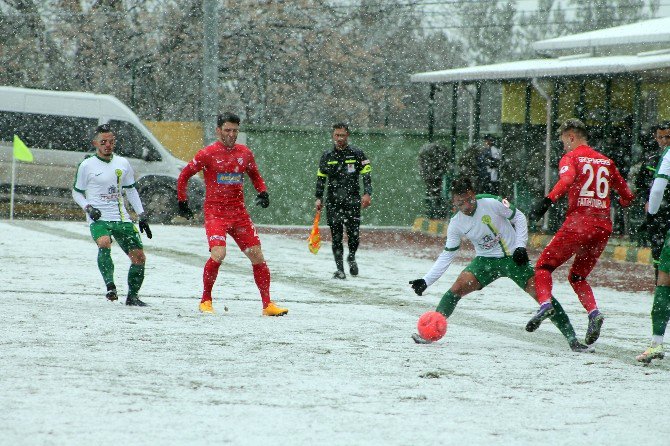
(660, 182)
(442, 263)
(364, 170)
(263, 197)
(567, 174)
(193, 167)
(128, 185)
(518, 220)
(626, 196)
(321, 176)
(520, 224)
(255, 175)
(79, 194)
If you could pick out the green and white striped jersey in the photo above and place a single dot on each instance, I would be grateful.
(660, 182)
(496, 229)
(102, 183)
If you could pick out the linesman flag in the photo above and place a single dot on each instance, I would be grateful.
(21, 151)
(314, 240)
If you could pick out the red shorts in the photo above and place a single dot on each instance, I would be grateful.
(585, 243)
(241, 229)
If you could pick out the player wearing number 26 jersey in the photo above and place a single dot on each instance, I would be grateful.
(588, 178)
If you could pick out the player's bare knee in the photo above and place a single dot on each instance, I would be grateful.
(137, 257)
(218, 253)
(255, 254)
(104, 242)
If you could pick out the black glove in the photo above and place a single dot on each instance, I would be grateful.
(419, 286)
(184, 210)
(144, 225)
(263, 200)
(92, 212)
(539, 209)
(520, 256)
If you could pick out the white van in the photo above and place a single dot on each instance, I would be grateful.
(58, 128)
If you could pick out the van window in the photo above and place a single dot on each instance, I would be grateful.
(48, 131)
(131, 143)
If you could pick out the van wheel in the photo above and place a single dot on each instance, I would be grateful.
(160, 206)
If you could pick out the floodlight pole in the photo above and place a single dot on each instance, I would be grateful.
(210, 69)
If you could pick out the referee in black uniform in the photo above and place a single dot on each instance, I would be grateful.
(342, 165)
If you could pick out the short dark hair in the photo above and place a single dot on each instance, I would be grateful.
(227, 117)
(575, 125)
(102, 128)
(665, 125)
(341, 125)
(461, 185)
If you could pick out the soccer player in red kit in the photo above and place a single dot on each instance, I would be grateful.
(224, 164)
(587, 177)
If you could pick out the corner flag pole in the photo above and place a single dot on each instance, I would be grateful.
(11, 193)
(22, 153)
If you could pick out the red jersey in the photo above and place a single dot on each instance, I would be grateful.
(587, 176)
(224, 169)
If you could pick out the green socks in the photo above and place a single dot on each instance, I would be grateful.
(105, 265)
(135, 279)
(447, 304)
(660, 310)
(561, 320)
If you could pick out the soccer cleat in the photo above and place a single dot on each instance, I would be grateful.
(353, 266)
(596, 320)
(206, 307)
(419, 340)
(274, 310)
(652, 352)
(578, 347)
(134, 301)
(339, 274)
(111, 292)
(546, 310)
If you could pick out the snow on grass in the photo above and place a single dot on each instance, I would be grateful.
(339, 369)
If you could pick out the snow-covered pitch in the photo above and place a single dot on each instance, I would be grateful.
(340, 369)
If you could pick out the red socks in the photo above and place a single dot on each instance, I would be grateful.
(543, 284)
(262, 278)
(585, 295)
(208, 278)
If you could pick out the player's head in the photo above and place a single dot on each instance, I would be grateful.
(104, 141)
(227, 128)
(340, 135)
(573, 134)
(489, 140)
(463, 195)
(662, 134)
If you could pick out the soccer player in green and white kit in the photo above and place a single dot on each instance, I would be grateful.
(660, 309)
(98, 188)
(499, 233)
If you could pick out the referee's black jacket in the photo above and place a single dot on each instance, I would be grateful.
(342, 168)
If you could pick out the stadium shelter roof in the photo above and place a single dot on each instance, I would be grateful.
(648, 32)
(547, 68)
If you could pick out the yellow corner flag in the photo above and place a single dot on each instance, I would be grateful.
(21, 151)
(314, 240)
